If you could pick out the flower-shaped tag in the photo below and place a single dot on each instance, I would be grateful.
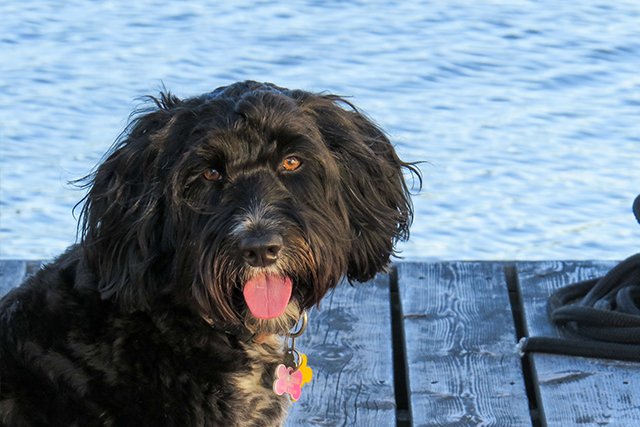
(307, 373)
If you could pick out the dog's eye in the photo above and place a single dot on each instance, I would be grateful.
(212, 175)
(291, 163)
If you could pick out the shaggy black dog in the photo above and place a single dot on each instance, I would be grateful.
(211, 226)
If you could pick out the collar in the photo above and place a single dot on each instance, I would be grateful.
(241, 332)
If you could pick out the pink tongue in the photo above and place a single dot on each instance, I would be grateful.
(267, 296)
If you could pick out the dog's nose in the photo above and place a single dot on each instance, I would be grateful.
(261, 250)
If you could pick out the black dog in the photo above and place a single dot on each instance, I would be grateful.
(211, 226)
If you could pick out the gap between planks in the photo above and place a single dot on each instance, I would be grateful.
(400, 377)
(517, 309)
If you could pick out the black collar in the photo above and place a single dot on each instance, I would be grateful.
(240, 332)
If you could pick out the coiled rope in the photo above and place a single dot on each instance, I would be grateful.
(600, 317)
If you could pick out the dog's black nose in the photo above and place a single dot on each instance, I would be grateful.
(261, 250)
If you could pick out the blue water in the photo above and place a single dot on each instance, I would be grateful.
(526, 112)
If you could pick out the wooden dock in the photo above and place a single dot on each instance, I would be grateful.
(434, 344)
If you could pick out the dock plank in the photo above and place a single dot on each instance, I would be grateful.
(12, 273)
(349, 347)
(575, 390)
(462, 361)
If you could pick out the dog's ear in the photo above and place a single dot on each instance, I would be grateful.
(122, 212)
(375, 193)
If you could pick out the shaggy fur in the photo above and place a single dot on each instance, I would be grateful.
(135, 324)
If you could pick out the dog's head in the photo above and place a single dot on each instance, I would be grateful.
(246, 204)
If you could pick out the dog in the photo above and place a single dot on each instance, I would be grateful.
(210, 227)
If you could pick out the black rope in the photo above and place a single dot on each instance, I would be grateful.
(601, 317)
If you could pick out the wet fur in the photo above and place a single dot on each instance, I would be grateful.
(131, 325)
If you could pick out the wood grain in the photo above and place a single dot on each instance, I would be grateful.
(348, 345)
(12, 273)
(461, 346)
(575, 390)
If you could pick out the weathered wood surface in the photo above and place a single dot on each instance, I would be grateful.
(13, 273)
(348, 345)
(463, 369)
(463, 365)
(575, 391)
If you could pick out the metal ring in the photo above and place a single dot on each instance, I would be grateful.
(298, 359)
(302, 328)
(291, 342)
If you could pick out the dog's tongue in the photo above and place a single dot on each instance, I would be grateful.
(267, 296)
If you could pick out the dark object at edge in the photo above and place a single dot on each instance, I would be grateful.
(601, 317)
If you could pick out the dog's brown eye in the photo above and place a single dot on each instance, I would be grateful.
(291, 163)
(212, 175)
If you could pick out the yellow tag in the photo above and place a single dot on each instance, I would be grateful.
(307, 372)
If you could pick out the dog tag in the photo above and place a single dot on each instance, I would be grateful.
(290, 380)
(307, 372)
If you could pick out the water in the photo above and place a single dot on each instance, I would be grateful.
(526, 112)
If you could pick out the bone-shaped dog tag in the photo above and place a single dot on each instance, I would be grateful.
(290, 380)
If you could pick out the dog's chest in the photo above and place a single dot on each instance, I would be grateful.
(253, 396)
(244, 396)
(209, 381)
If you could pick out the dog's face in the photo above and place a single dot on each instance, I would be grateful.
(246, 204)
